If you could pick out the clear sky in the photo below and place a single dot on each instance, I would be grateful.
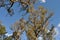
(52, 5)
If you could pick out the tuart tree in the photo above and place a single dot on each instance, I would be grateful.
(37, 24)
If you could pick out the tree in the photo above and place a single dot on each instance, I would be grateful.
(37, 24)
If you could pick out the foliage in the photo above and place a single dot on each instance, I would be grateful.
(8, 38)
(2, 29)
(24, 3)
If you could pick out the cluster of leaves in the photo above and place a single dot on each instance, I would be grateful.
(8, 38)
(24, 3)
(2, 30)
(39, 22)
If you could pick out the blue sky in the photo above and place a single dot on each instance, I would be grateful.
(52, 5)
